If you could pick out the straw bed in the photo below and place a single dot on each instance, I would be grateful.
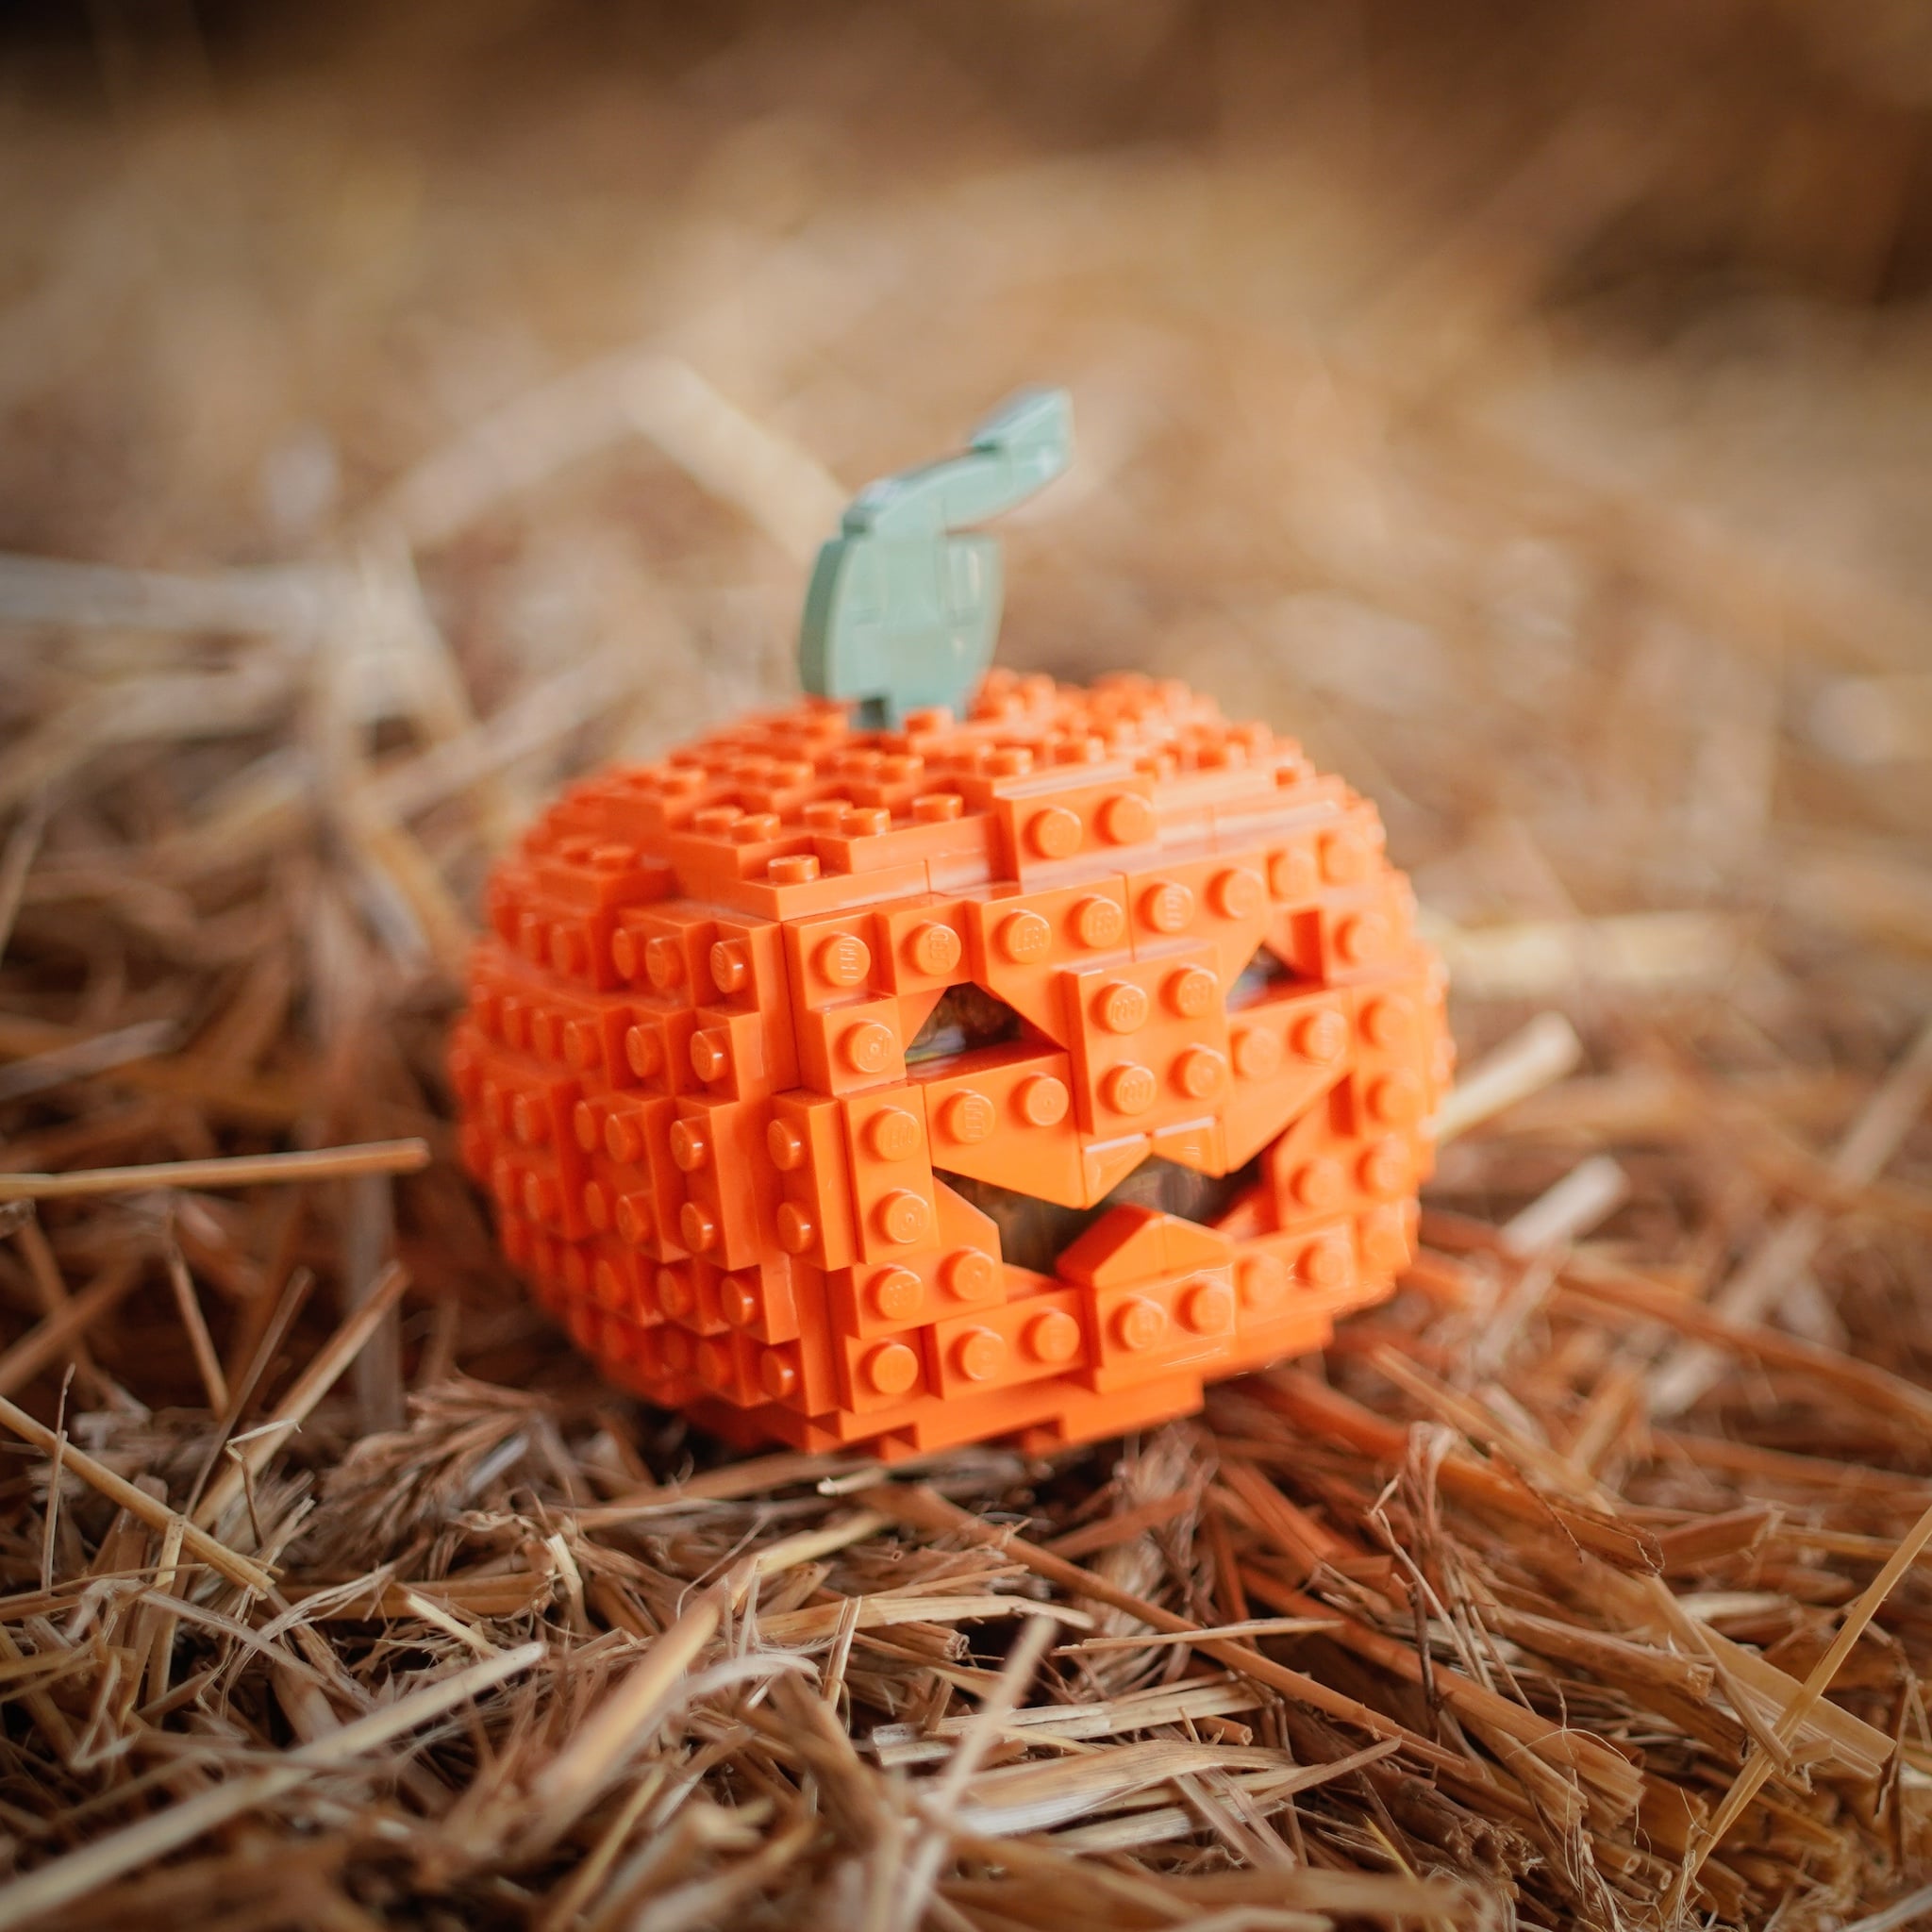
(1586, 1582)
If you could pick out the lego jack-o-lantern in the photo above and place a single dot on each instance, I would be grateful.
(958, 1054)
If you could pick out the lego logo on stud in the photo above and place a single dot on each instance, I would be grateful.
(971, 1274)
(893, 1135)
(1200, 1071)
(933, 948)
(895, 1294)
(1054, 833)
(1026, 939)
(1139, 1324)
(844, 959)
(1053, 1337)
(663, 962)
(868, 1047)
(1363, 937)
(1120, 1008)
(1237, 892)
(643, 1051)
(1319, 1037)
(1043, 1100)
(1131, 1089)
(730, 966)
(1099, 922)
(1192, 993)
(891, 1369)
(1126, 819)
(711, 1054)
(1168, 907)
(903, 1216)
(980, 1355)
(968, 1117)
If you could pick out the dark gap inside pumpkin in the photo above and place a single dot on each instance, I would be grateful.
(966, 1017)
(1034, 1233)
(1257, 978)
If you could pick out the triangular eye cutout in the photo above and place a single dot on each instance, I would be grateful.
(966, 1017)
(1257, 979)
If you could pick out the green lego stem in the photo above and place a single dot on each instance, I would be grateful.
(901, 613)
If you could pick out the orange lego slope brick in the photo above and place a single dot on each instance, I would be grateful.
(1016, 1075)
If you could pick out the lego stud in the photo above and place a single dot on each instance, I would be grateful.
(1043, 1100)
(970, 1273)
(891, 1369)
(1262, 1280)
(1126, 819)
(1200, 1072)
(581, 1047)
(543, 1033)
(633, 1218)
(1206, 1308)
(675, 1295)
(711, 1054)
(663, 962)
(1291, 873)
(968, 1117)
(979, 1354)
(623, 1140)
(1192, 993)
(730, 963)
(933, 949)
(1052, 1337)
(779, 1373)
(895, 1294)
(1362, 938)
(1099, 922)
(1321, 1037)
(689, 1148)
(1130, 1089)
(843, 960)
(606, 1283)
(865, 822)
(903, 1217)
(893, 1134)
(792, 869)
(796, 1229)
(1318, 1183)
(936, 808)
(1054, 833)
(516, 1021)
(1385, 1168)
(714, 1363)
(569, 952)
(737, 1300)
(643, 1051)
(1026, 939)
(1325, 1262)
(1257, 1051)
(1236, 894)
(868, 1047)
(1120, 1007)
(785, 1146)
(1344, 858)
(1139, 1324)
(1167, 906)
(698, 1225)
(596, 1206)
(1396, 1098)
(530, 1118)
(1388, 1022)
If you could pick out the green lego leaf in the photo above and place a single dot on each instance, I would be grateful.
(902, 612)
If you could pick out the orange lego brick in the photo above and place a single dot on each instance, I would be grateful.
(750, 1024)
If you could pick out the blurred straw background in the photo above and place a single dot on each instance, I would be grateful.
(1529, 409)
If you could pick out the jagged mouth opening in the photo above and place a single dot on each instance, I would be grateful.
(1035, 1233)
